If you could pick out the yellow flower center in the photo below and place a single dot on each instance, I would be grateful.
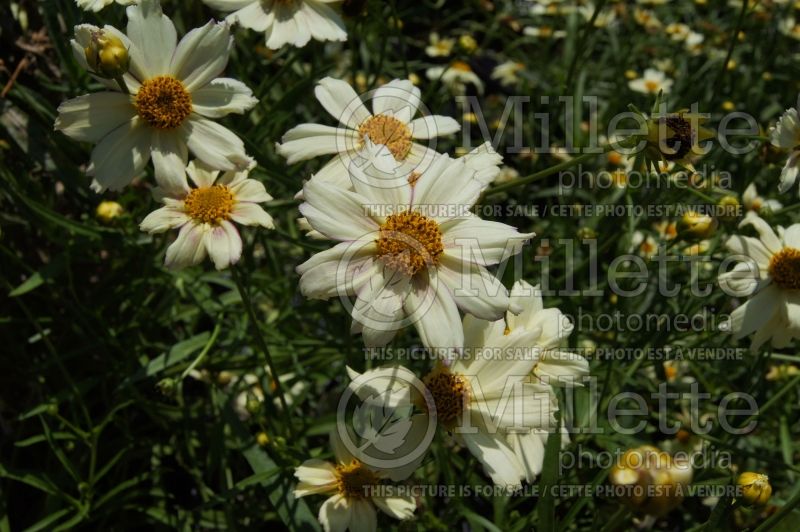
(461, 66)
(784, 268)
(163, 102)
(651, 86)
(353, 479)
(389, 131)
(210, 205)
(451, 394)
(409, 241)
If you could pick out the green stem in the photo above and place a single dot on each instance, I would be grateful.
(122, 85)
(262, 343)
(790, 208)
(780, 514)
(205, 350)
(542, 174)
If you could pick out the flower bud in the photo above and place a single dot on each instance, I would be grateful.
(730, 208)
(262, 439)
(695, 226)
(108, 210)
(253, 406)
(755, 488)
(107, 55)
(167, 386)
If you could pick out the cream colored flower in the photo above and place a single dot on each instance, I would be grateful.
(410, 254)
(349, 482)
(455, 76)
(293, 22)
(544, 32)
(507, 73)
(175, 93)
(384, 138)
(754, 202)
(205, 214)
(771, 277)
(97, 5)
(653, 82)
(439, 47)
(786, 135)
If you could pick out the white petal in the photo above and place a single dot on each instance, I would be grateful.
(335, 513)
(312, 140)
(163, 219)
(170, 156)
(765, 232)
(251, 14)
(363, 516)
(342, 102)
(498, 459)
(221, 97)
(379, 306)
(315, 476)
(435, 315)
(529, 449)
(224, 245)
(338, 271)
(397, 507)
(201, 174)
(216, 145)
(756, 312)
(338, 214)
(428, 127)
(481, 241)
(247, 213)
(121, 155)
(398, 97)
(788, 175)
(91, 117)
(251, 191)
(476, 291)
(324, 23)
(188, 249)
(561, 368)
(153, 36)
(202, 55)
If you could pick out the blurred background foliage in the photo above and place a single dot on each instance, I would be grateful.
(108, 423)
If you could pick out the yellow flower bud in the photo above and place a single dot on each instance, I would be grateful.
(695, 226)
(262, 439)
(108, 210)
(755, 488)
(107, 55)
(730, 208)
(468, 43)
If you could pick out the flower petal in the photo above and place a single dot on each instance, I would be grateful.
(224, 245)
(221, 97)
(342, 102)
(202, 55)
(120, 156)
(170, 156)
(338, 214)
(247, 213)
(216, 145)
(163, 219)
(312, 140)
(335, 513)
(91, 117)
(434, 313)
(153, 36)
(428, 127)
(188, 249)
(398, 97)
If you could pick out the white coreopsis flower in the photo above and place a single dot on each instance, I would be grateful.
(205, 213)
(537, 334)
(754, 202)
(175, 93)
(653, 82)
(283, 22)
(384, 137)
(789, 27)
(694, 42)
(354, 490)
(439, 47)
(507, 72)
(544, 32)
(771, 277)
(411, 254)
(97, 5)
(455, 76)
(476, 398)
(786, 135)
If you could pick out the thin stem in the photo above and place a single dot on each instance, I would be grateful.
(542, 174)
(205, 350)
(248, 305)
(790, 208)
(122, 85)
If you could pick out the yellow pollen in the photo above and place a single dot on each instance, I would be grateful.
(461, 66)
(353, 479)
(784, 268)
(409, 242)
(413, 178)
(651, 86)
(507, 331)
(389, 131)
(209, 205)
(163, 102)
(451, 394)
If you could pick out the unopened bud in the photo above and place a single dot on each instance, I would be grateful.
(262, 439)
(756, 489)
(695, 226)
(167, 386)
(108, 210)
(730, 208)
(107, 55)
